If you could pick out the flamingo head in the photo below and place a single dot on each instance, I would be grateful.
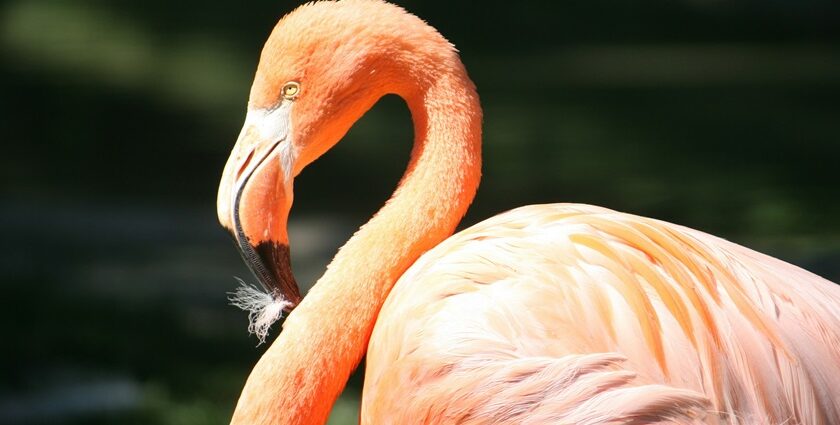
(322, 67)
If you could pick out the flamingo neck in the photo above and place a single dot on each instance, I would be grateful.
(323, 340)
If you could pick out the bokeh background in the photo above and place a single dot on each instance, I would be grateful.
(117, 117)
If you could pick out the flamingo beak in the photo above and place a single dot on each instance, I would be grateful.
(255, 196)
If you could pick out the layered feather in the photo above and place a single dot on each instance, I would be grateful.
(682, 326)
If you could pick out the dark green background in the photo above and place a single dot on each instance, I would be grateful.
(117, 118)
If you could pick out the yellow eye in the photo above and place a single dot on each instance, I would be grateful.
(290, 90)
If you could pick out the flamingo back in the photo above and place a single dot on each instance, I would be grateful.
(567, 313)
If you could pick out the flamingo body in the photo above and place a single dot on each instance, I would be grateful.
(568, 313)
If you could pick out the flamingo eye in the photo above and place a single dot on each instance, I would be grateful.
(290, 90)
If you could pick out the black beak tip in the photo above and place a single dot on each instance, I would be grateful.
(277, 273)
(271, 264)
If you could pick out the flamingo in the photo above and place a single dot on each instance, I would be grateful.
(557, 313)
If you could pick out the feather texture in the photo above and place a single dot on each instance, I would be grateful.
(263, 308)
(577, 314)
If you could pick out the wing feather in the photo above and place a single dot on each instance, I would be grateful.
(577, 314)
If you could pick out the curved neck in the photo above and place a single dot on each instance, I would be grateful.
(323, 340)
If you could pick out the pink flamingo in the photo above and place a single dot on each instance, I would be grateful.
(556, 313)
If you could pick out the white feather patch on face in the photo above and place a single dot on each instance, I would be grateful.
(272, 124)
(275, 125)
(263, 309)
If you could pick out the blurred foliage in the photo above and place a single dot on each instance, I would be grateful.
(717, 114)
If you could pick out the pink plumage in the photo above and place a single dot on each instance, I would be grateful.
(557, 313)
(568, 313)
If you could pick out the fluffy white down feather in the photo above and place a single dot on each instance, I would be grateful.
(263, 308)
